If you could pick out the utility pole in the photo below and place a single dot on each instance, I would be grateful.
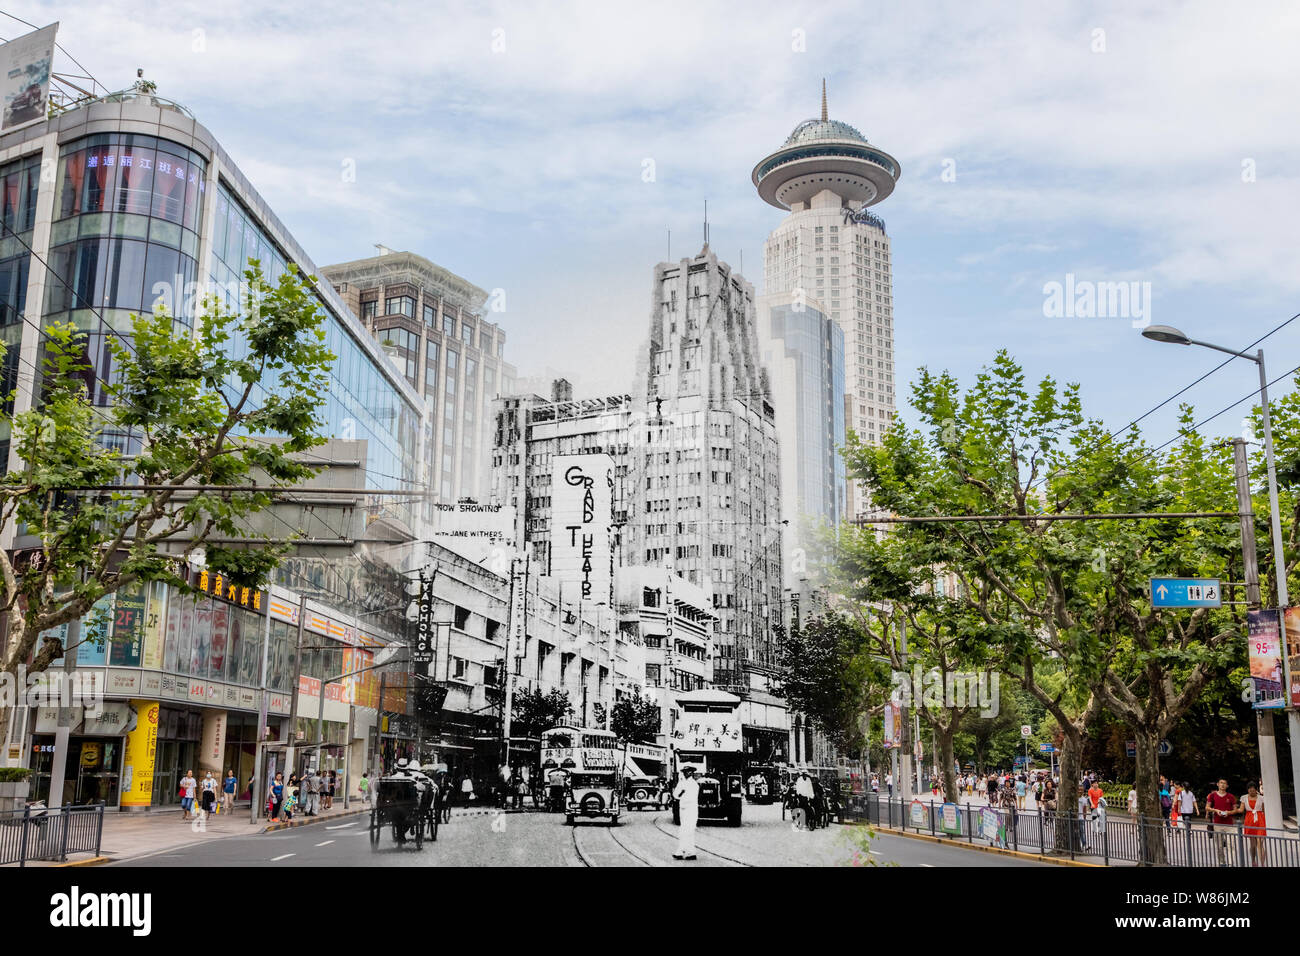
(1250, 563)
(260, 784)
(291, 749)
(63, 731)
(906, 748)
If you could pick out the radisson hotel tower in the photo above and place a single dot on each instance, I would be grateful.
(832, 251)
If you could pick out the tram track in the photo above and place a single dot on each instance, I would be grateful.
(721, 856)
(584, 855)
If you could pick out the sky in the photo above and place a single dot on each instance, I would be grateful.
(549, 151)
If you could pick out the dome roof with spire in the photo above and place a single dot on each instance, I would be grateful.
(820, 130)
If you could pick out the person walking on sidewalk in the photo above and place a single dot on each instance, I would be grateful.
(209, 797)
(334, 782)
(228, 793)
(1220, 808)
(188, 786)
(687, 795)
(275, 796)
(1256, 828)
(364, 787)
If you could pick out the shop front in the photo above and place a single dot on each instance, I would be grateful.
(91, 771)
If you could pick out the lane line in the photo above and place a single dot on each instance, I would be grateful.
(342, 826)
(326, 843)
(283, 856)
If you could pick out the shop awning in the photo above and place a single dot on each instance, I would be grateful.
(641, 767)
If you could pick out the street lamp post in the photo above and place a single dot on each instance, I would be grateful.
(1267, 740)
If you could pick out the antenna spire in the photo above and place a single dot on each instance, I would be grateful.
(706, 222)
(824, 116)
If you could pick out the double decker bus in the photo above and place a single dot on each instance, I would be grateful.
(708, 736)
(592, 763)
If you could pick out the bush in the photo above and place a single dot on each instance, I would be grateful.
(14, 774)
(1116, 795)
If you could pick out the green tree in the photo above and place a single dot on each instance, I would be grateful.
(1065, 594)
(535, 710)
(204, 412)
(826, 672)
(636, 719)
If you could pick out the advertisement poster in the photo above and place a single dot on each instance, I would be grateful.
(151, 655)
(993, 827)
(1293, 653)
(25, 66)
(1265, 650)
(141, 752)
(96, 629)
(950, 819)
(918, 814)
(128, 627)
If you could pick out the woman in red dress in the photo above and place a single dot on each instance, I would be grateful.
(1254, 826)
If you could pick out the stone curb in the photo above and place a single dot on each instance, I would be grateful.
(1036, 857)
(309, 822)
(91, 861)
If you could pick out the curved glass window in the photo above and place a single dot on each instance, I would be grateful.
(837, 151)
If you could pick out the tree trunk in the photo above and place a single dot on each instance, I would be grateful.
(946, 755)
(1148, 790)
(1067, 796)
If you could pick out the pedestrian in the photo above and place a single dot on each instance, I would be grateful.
(1132, 801)
(1095, 793)
(291, 797)
(275, 796)
(188, 786)
(1166, 801)
(310, 788)
(1020, 793)
(467, 789)
(687, 795)
(1176, 811)
(889, 783)
(1256, 827)
(1189, 807)
(1220, 807)
(228, 793)
(363, 785)
(805, 796)
(1084, 810)
(209, 793)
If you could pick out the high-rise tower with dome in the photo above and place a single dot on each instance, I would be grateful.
(833, 251)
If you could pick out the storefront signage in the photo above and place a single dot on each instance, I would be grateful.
(283, 611)
(219, 585)
(424, 636)
(123, 683)
(110, 721)
(708, 732)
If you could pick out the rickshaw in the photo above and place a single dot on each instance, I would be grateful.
(402, 805)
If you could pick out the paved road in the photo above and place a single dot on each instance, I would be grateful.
(533, 839)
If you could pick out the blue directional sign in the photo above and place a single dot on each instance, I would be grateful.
(1046, 749)
(1186, 592)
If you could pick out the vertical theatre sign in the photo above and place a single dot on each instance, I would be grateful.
(582, 518)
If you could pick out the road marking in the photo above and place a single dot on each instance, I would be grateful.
(875, 853)
(930, 865)
(283, 856)
(326, 843)
(341, 826)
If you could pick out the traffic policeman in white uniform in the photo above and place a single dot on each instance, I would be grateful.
(687, 795)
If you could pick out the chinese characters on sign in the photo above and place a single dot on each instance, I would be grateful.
(702, 732)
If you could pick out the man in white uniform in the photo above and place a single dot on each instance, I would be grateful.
(687, 795)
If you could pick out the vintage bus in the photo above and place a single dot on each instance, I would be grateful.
(708, 735)
(592, 764)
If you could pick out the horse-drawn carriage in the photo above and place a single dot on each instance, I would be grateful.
(407, 804)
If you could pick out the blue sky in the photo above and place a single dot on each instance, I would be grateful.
(507, 142)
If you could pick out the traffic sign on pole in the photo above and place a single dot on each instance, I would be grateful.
(1026, 730)
(1046, 749)
(1186, 592)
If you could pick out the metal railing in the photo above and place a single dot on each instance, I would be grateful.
(41, 834)
(1104, 839)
